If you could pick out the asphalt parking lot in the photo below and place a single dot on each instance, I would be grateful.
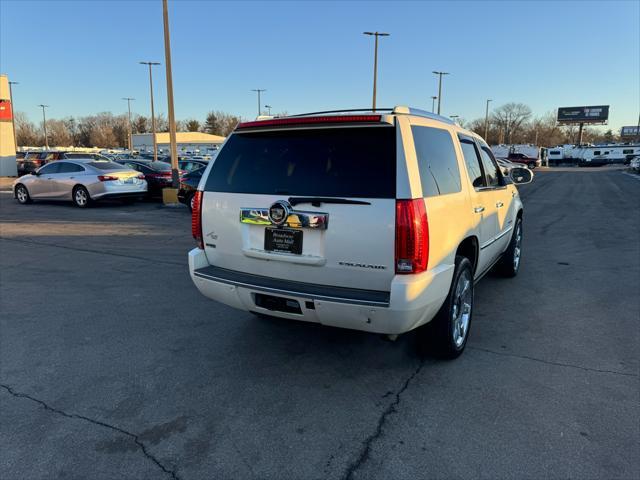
(112, 365)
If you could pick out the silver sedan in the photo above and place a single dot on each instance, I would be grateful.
(81, 181)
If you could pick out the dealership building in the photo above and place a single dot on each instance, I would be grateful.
(188, 142)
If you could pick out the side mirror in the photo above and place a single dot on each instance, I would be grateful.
(521, 176)
(36, 173)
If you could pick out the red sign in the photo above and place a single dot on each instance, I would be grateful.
(5, 111)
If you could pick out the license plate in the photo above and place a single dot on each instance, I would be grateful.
(283, 240)
(129, 180)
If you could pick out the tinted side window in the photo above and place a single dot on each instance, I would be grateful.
(437, 162)
(472, 162)
(490, 169)
(69, 168)
(50, 168)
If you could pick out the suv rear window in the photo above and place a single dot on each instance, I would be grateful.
(331, 162)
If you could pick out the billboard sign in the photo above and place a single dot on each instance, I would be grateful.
(629, 131)
(593, 114)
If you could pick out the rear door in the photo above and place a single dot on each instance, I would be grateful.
(313, 204)
(69, 174)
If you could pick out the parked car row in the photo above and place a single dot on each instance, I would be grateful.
(83, 180)
(29, 162)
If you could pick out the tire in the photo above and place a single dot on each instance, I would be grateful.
(81, 197)
(22, 194)
(509, 265)
(189, 201)
(448, 332)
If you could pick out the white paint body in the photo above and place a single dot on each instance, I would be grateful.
(363, 234)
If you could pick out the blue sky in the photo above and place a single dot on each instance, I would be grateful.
(81, 57)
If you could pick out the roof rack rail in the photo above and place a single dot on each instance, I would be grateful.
(400, 109)
(343, 111)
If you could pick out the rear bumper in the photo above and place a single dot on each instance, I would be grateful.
(110, 190)
(412, 300)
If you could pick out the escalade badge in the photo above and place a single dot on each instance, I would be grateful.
(279, 212)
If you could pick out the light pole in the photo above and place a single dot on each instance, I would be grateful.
(433, 104)
(453, 117)
(440, 74)
(375, 62)
(175, 176)
(44, 125)
(486, 119)
(13, 113)
(153, 114)
(268, 107)
(130, 142)
(259, 90)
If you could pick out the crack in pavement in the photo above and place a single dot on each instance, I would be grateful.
(133, 436)
(99, 252)
(548, 362)
(392, 408)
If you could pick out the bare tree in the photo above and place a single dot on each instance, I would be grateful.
(511, 117)
(58, 133)
(26, 134)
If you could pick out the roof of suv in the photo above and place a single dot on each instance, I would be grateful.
(357, 114)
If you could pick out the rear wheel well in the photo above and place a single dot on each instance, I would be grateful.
(469, 248)
(16, 188)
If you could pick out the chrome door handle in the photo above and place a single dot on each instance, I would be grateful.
(479, 209)
(499, 204)
(71, 178)
(49, 178)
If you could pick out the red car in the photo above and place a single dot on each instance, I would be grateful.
(530, 162)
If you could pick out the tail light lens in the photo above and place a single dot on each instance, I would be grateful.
(196, 219)
(107, 178)
(140, 177)
(412, 236)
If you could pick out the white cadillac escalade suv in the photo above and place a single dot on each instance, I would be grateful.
(377, 221)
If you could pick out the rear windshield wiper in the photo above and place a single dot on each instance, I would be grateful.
(317, 201)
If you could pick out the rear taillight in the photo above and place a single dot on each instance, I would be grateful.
(140, 177)
(412, 236)
(196, 219)
(107, 178)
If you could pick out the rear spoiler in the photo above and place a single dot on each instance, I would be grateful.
(326, 119)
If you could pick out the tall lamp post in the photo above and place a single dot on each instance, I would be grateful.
(175, 176)
(44, 125)
(440, 74)
(433, 104)
(153, 114)
(375, 62)
(130, 142)
(268, 107)
(486, 119)
(259, 91)
(454, 117)
(13, 109)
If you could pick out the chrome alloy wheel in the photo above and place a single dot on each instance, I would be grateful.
(461, 310)
(21, 194)
(81, 197)
(517, 248)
